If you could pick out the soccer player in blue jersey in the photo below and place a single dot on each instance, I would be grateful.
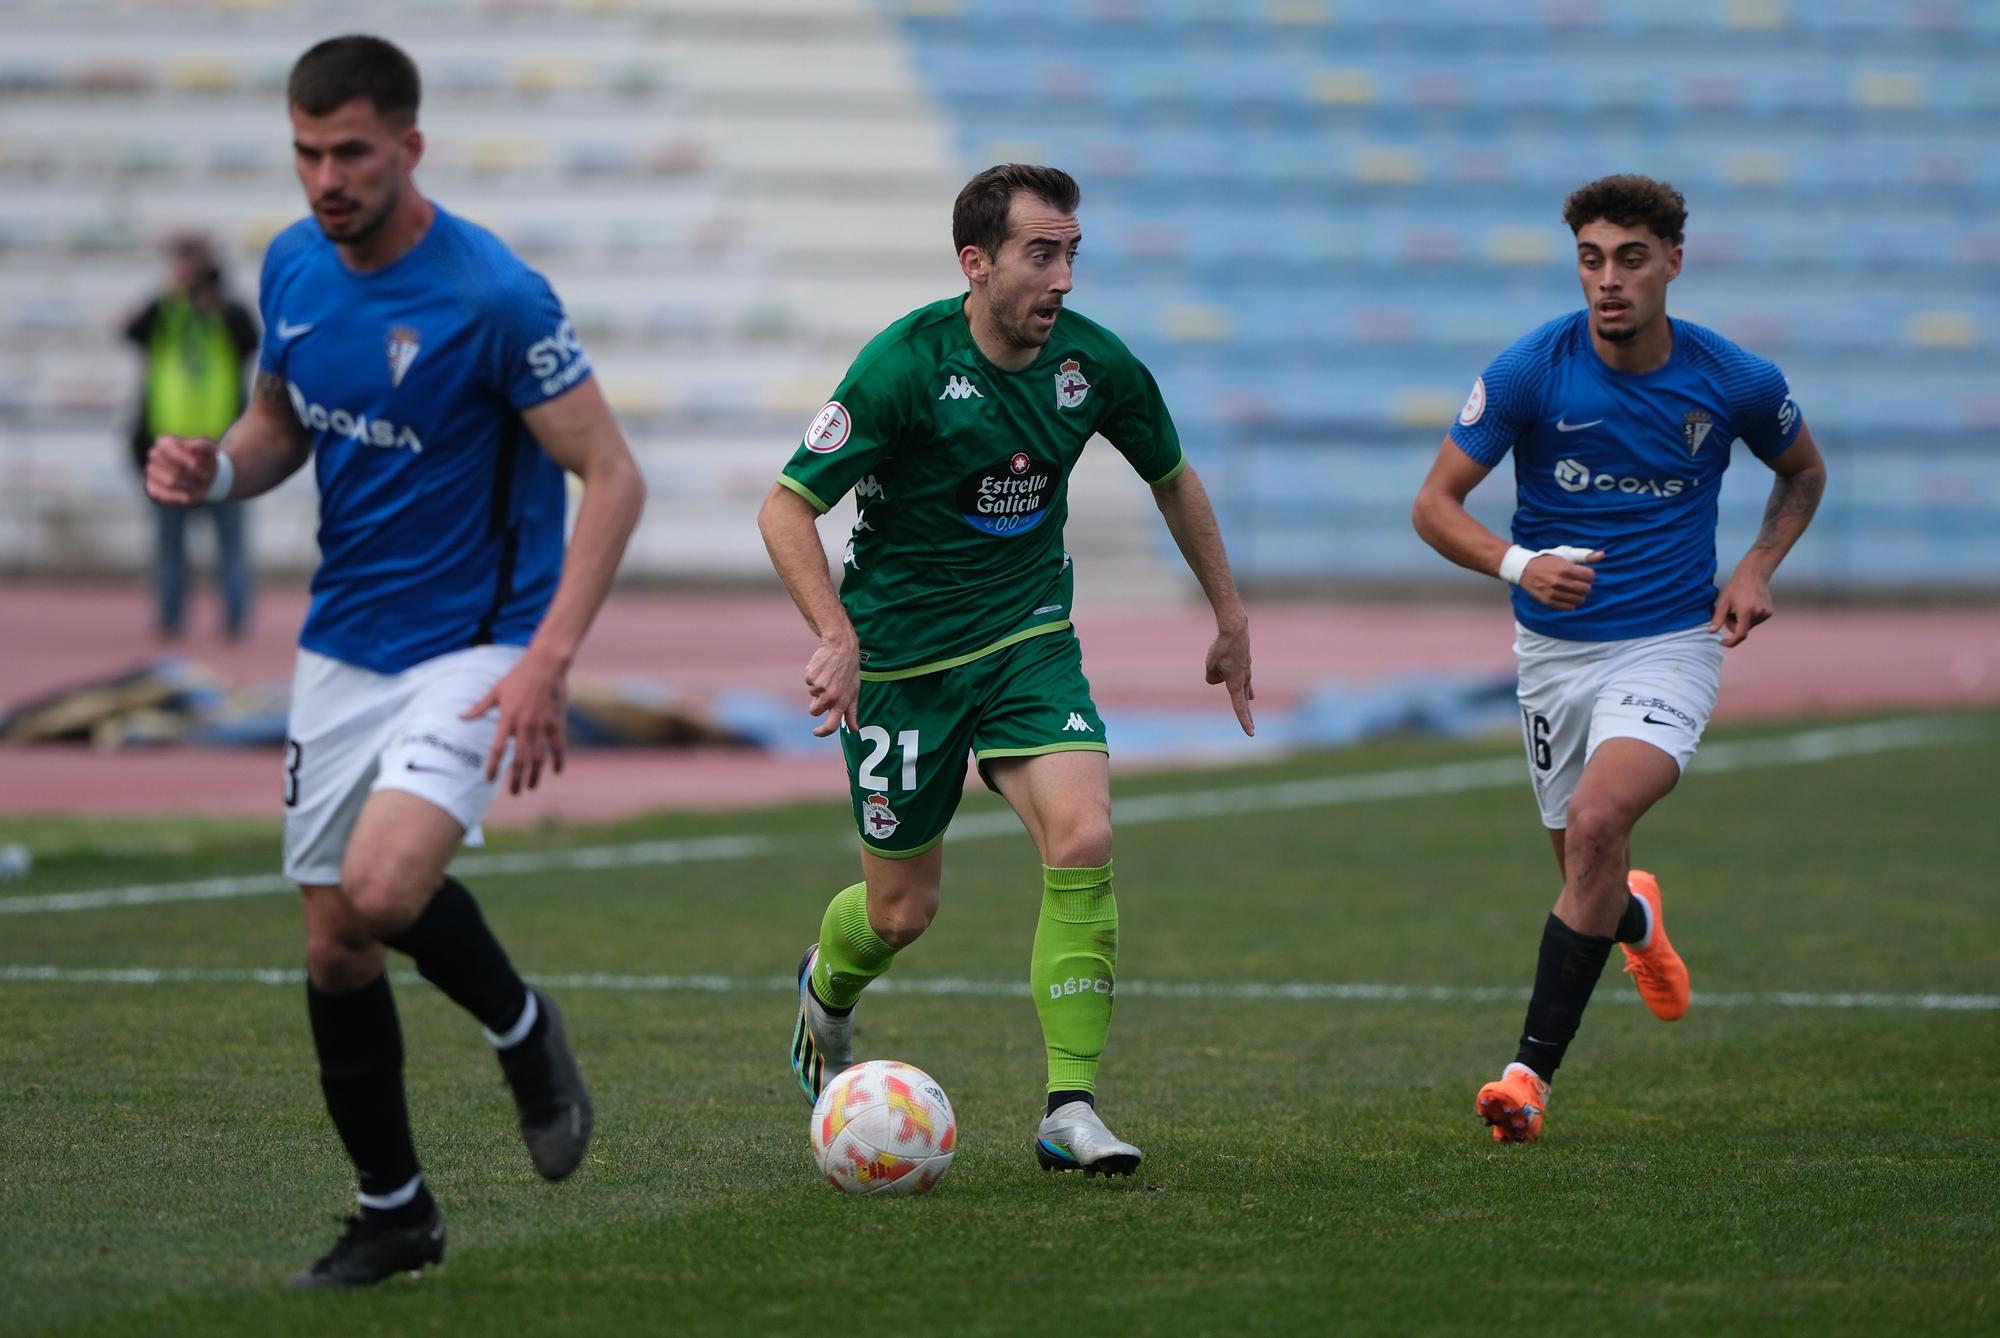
(1621, 421)
(434, 382)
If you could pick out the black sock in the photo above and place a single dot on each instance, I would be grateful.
(455, 951)
(1060, 1099)
(1565, 974)
(360, 1048)
(1632, 924)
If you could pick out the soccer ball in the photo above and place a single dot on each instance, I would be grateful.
(883, 1127)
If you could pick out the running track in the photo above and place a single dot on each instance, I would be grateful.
(1805, 663)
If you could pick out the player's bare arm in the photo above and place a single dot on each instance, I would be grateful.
(1190, 518)
(578, 432)
(833, 674)
(1442, 521)
(1746, 600)
(266, 446)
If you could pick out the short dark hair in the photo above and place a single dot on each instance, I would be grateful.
(979, 218)
(341, 69)
(1626, 201)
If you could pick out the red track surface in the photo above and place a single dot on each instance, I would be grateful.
(1806, 662)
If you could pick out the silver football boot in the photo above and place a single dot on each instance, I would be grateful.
(1072, 1138)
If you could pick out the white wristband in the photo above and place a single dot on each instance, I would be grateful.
(1517, 559)
(225, 478)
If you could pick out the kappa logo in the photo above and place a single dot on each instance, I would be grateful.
(1071, 388)
(404, 345)
(1076, 721)
(830, 430)
(1695, 425)
(878, 820)
(960, 388)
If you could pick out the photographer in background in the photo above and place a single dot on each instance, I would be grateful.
(197, 342)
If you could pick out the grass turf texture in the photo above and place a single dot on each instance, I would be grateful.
(1311, 1165)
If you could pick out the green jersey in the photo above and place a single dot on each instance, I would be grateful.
(960, 473)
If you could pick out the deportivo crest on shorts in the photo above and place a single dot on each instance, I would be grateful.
(830, 429)
(1070, 385)
(404, 345)
(878, 820)
(1694, 429)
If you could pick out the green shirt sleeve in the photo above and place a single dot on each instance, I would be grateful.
(859, 428)
(1138, 424)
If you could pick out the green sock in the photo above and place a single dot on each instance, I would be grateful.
(1072, 972)
(851, 953)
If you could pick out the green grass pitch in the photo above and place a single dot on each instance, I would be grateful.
(1782, 1161)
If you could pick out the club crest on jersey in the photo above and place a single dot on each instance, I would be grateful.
(404, 345)
(1694, 429)
(1070, 385)
(877, 818)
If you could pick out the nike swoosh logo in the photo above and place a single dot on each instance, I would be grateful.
(286, 330)
(1561, 426)
(1648, 718)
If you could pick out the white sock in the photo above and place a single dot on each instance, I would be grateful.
(517, 1033)
(395, 1198)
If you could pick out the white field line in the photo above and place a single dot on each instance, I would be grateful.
(1803, 748)
(1286, 992)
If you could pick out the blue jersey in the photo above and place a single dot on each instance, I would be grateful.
(1631, 465)
(440, 518)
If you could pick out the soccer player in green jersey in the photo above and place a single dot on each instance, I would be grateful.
(957, 429)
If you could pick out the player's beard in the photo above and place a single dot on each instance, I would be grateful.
(365, 226)
(1021, 331)
(1623, 334)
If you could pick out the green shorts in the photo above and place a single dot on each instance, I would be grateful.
(907, 762)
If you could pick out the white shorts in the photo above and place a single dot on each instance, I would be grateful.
(353, 731)
(1576, 694)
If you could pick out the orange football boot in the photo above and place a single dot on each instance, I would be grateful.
(1514, 1105)
(1658, 971)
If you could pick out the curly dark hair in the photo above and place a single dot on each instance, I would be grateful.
(1626, 201)
(979, 218)
(341, 69)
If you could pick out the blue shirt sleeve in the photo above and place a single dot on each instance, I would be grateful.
(1761, 407)
(1502, 405)
(270, 347)
(536, 354)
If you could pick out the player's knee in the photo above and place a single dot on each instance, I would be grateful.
(1084, 843)
(383, 895)
(900, 917)
(1595, 823)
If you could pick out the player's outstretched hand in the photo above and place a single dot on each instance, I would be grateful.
(1558, 582)
(1743, 603)
(179, 470)
(833, 677)
(531, 699)
(1229, 663)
